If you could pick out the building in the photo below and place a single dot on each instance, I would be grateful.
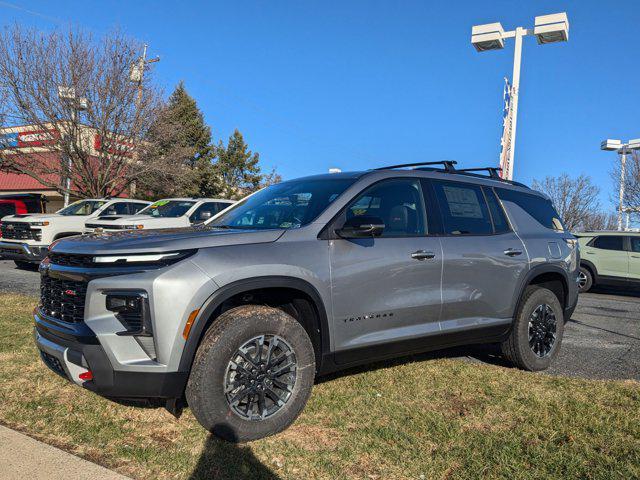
(40, 144)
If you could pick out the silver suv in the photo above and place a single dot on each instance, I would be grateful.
(237, 318)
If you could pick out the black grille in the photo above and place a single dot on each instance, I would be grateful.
(53, 363)
(63, 299)
(19, 231)
(68, 260)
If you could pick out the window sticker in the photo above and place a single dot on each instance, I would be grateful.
(462, 202)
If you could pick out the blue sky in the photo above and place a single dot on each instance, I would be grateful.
(360, 84)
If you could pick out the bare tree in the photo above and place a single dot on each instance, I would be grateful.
(599, 221)
(576, 199)
(632, 181)
(104, 144)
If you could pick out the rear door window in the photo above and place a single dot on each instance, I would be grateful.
(635, 244)
(500, 223)
(539, 208)
(609, 242)
(463, 207)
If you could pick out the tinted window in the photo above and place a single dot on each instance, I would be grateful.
(136, 207)
(83, 207)
(289, 204)
(7, 208)
(500, 224)
(464, 210)
(538, 207)
(609, 243)
(119, 208)
(635, 244)
(398, 203)
(204, 212)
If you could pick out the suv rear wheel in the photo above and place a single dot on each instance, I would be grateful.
(585, 280)
(536, 335)
(252, 374)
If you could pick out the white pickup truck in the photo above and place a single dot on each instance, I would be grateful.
(26, 238)
(165, 213)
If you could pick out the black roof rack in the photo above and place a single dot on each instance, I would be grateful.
(447, 164)
(449, 167)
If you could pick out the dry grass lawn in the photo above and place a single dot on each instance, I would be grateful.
(417, 418)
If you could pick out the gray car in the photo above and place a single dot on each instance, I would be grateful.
(237, 318)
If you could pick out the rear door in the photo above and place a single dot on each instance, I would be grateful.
(484, 259)
(610, 256)
(386, 289)
(634, 259)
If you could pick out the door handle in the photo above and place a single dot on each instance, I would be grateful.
(422, 255)
(512, 252)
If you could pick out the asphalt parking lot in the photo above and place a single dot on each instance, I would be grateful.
(601, 341)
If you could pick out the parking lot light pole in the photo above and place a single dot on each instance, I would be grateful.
(77, 104)
(491, 36)
(623, 149)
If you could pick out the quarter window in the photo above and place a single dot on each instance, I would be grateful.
(463, 207)
(398, 203)
(635, 244)
(609, 242)
(539, 208)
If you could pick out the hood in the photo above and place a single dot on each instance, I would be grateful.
(33, 217)
(162, 240)
(130, 219)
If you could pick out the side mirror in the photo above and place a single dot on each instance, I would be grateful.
(361, 226)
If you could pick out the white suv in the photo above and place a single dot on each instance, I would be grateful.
(26, 238)
(166, 213)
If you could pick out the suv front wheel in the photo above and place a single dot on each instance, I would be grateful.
(536, 335)
(252, 374)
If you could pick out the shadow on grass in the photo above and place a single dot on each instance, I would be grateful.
(487, 353)
(229, 461)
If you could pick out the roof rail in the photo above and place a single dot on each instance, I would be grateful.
(447, 164)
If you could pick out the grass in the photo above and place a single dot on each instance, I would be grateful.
(418, 418)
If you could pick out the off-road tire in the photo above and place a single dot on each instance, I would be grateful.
(205, 388)
(589, 279)
(516, 348)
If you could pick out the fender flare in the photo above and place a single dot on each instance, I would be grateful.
(531, 274)
(225, 292)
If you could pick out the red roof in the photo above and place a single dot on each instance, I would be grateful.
(16, 181)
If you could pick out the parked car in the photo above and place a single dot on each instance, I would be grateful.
(166, 213)
(237, 318)
(21, 203)
(609, 258)
(26, 237)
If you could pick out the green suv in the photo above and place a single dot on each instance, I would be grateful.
(609, 258)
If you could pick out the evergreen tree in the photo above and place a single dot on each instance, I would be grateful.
(237, 170)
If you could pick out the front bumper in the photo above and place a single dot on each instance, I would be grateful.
(23, 251)
(70, 349)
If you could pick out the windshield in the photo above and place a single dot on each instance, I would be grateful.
(167, 208)
(83, 207)
(284, 205)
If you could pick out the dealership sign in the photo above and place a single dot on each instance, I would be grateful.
(112, 146)
(29, 138)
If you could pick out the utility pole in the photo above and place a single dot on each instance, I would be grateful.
(68, 96)
(137, 73)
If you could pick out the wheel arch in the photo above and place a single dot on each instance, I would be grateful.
(550, 276)
(592, 268)
(283, 288)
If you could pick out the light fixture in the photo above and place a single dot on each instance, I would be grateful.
(551, 28)
(489, 36)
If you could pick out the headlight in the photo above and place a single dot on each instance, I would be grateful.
(161, 258)
(39, 224)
